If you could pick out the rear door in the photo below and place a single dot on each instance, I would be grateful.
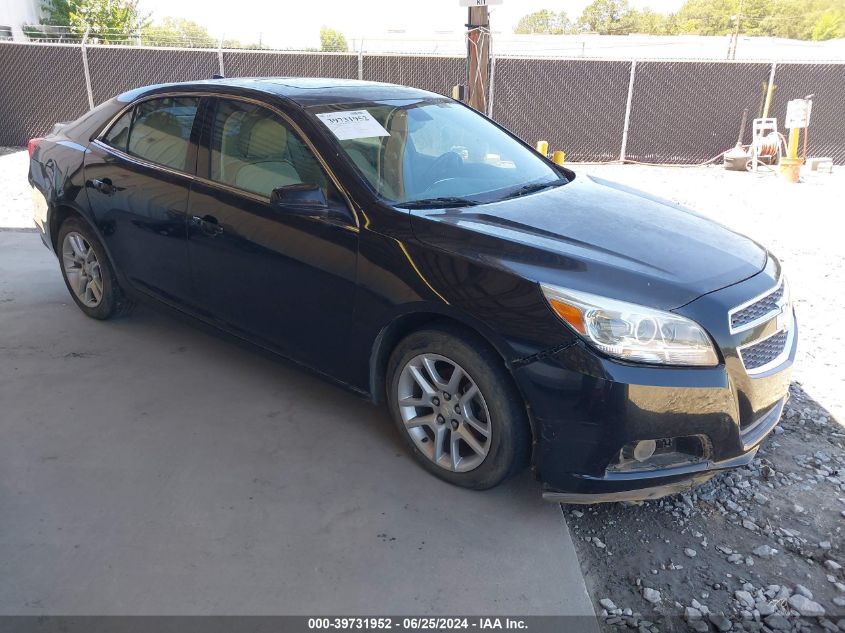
(137, 177)
(279, 277)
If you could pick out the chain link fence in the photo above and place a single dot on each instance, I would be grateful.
(688, 112)
(682, 112)
(283, 64)
(826, 134)
(576, 105)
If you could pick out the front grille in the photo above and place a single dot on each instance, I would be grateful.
(757, 310)
(758, 354)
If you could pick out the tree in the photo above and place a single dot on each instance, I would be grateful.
(707, 17)
(107, 20)
(332, 40)
(792, 19)
(544, 21)
(829, 25)
(177, 32)
(650, 22)
(607, 17)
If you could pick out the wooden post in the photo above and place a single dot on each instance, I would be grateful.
(478, 57)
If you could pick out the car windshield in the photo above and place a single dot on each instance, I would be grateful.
(434, 151)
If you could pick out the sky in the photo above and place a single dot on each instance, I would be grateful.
(295, 23)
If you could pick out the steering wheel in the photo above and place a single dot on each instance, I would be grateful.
(443, 165)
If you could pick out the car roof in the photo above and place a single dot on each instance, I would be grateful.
(305, 91)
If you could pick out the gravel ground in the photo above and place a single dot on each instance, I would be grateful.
(760, 548)
(757, 549)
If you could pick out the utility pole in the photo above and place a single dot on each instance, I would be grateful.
(478, 57)
(735, 38)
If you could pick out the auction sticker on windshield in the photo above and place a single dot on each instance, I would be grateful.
(352, 124)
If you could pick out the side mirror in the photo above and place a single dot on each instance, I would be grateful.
(300, 197)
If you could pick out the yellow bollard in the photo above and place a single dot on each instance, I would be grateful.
(794, 136)
(543, 148)
(559, 157)
(790, 165)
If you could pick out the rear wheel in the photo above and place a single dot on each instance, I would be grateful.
(457, 409)
(87, 272)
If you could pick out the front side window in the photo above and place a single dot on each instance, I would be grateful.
(255, 150)
(430, 148)
(160, 131)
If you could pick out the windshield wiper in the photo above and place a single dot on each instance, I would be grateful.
(443, 202)
(534, 187)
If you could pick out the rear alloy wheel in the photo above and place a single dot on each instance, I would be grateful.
(82, 269)
(456, 407)
(87, 272)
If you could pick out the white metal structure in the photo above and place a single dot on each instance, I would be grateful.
(764, 134)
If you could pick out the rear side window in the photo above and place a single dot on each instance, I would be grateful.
(158, 130)
(161, 130)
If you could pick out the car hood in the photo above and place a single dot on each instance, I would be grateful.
(601, 237)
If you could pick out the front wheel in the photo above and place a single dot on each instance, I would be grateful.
(457, 409)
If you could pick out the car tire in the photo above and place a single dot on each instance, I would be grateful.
(504, 451)
(88, 273)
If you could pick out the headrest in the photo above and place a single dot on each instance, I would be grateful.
(266, 139)
(162, 122)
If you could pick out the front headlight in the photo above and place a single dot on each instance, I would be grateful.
(632, 332)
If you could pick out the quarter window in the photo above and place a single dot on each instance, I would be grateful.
(160, 131)
(255, 150)
(118, 135)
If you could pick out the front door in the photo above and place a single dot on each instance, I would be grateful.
(275, 276)
(137, 177)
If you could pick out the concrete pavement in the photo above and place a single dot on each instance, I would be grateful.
(148, 467)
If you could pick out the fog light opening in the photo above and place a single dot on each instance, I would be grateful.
(666, 452)
(644, 449)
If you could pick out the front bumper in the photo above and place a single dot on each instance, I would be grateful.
(586, 410)
(651, 484)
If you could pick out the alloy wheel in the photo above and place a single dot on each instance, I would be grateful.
(82, 269)
(444, 412)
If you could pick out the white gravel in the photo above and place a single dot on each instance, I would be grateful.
(800, 223)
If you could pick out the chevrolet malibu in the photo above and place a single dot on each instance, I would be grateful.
(403, 245)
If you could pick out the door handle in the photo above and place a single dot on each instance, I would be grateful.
(208, 224)
(104, 186)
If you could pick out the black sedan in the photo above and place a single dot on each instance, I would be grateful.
(411, 249)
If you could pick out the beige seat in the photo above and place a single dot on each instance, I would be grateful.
(393, 156)
(263, 150)
(367, 168)
(158, 138)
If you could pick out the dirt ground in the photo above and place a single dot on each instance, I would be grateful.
(760, 548)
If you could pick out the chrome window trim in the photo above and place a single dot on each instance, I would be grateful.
(140, 161)
(789, 328)
(99, 140)
(766, 317)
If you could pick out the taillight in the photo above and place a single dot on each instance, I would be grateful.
(32, 144)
